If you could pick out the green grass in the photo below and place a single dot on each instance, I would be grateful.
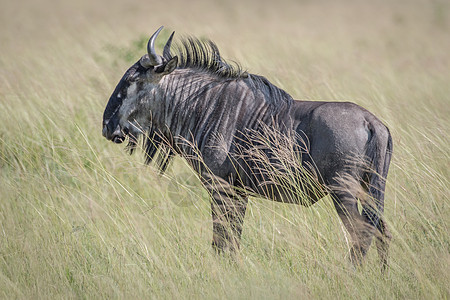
(79, 218)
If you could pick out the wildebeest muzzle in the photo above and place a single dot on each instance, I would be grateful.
(113, 132)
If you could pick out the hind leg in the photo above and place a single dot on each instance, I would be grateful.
(359, 228)
(373, 212)
(383, 239)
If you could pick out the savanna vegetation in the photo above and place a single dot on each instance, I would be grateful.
(80, 218)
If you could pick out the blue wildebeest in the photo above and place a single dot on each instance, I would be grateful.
(245, 136)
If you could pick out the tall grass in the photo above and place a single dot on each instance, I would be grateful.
(79, 218)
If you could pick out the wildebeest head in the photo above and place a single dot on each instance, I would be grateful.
(129, 107)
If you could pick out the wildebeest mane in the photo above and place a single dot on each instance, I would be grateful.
(204, 55)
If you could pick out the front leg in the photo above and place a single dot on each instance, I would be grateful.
(228, 212)
(228, 217)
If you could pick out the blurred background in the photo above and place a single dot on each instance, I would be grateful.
(79, 218)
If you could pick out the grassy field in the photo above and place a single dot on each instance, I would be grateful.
(79, 218)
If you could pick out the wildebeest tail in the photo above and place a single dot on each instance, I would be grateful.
(379, 152)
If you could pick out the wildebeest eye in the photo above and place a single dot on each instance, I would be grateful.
(132, 73)
(133, 77)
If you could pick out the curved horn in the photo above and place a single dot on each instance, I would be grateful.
(166, 51)
(155, 59)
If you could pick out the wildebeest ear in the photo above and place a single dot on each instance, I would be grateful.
(167, 67)
(170, 65)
